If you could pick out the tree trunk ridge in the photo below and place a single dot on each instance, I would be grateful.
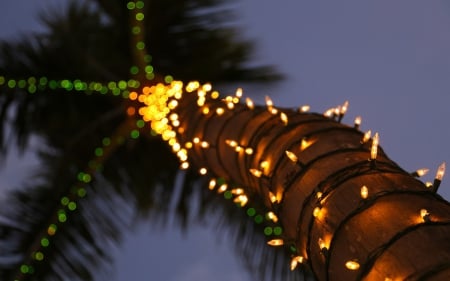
(349, 216)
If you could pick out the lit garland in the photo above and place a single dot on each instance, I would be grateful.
(202, 130)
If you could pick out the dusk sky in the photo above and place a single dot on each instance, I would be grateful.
(389, 58)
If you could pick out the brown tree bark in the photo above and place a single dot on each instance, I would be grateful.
(350, 217)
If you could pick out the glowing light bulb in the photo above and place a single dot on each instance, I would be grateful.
(222, 188)
(196, 140)
(203, 171)
(220, 111)
(184, 165)
(329, 112)
(352, 265)
(237, 191)
(284, 118)
(264, 164)
(231, 143)
(269, 102)
(316, 212)
(205, 110)
(295, 261)
(212, 184)
(374, 148)
(304, 108)
(364, 192)
(366, 136)
(275, 242)
(230, 105)
(420, 172)
(291, 156)
(239, 92)
(241, 199)
(272, 197)
(322, 244)
(305, 144)
(204, 144)
(249, 151)
(440, 172)
(343, 109)
(358, 121)
(425, 215)
(257, 173)
(249, 103)
(271, 216)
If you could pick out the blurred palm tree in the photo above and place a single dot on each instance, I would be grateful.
(87, 133)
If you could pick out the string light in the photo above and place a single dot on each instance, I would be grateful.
(249, 103)
(295, 261)
(304, 108)
(357, 122)
(275, 242)
(212, 184)
(352, 265)
(291, 156)
(420, 172)
(364, 192)
(438, 178)
(284, 118)
(366, 136)
(271, 216)
(425, 215)
(374, 147)
(257, 173)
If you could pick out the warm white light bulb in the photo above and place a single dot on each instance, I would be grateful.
(352, 265)
(276, 242)
(364, 192)
(440, 172)
(249, 103)
(366, 136)
(358, 121)
(257, 173)
(343, 108)
(304, 108)
(421, 172)
(374, 148)
(239, 92)
(295, 261)
(284, 118)
(212, 184)
(291, 156)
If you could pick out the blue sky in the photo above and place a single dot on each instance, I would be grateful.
(389, 59)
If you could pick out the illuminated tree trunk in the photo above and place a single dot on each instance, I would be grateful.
(350, 212)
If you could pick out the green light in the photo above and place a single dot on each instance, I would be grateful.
(112, 85)
(45, 242)
(134, 134)
(39, 256)
(122, 84)
(24, 269)
(268, 230)
(125, 94)
(106, 141)
(140, 45)
(43, 81)
(11, 83)
(62, 217)
(251, 212)
(22, 84)
(65, 201)
(53, 84)
(81, 192)
(148, 58)
(277, 230)
(133, 70)
(133, 83)
(97, 87)
(168, 79)
(227, 194)
(87, 178)
(31, 80)
(66, 84)
(259, 219)
(2, 80)
(99, 151)
(140, 123)
(51, 230)
(103, 90)
(72, 206)
(149, 69)
(32, 89)
(131, 5)
(136, 30)
(140, 4)
(139, 16)
(116, 92)
(79, 86)
(149, 76)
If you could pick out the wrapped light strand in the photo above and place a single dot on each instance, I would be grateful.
(420, 172)
(439, 175)
(374, 147)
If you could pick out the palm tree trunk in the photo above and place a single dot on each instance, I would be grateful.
(350, 214)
